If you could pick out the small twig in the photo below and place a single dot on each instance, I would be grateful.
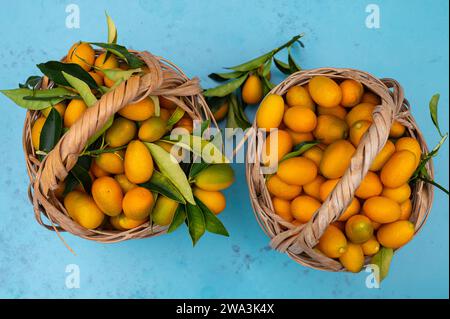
(101, 151)
(430, 181)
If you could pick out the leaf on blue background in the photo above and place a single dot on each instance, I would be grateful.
(31, 82)
(112, 30)
(293, 65)
(283, 67)
(236, 117)
(178, 219)
(227, 88)
(252, 64)
(212, 223)
(220, 77)
(37, 99)
(196, 222)
(434, 111)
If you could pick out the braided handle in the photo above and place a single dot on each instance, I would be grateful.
(304, 237)
(160, 80)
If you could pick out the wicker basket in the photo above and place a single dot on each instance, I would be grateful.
(163, 79)
(299, 241)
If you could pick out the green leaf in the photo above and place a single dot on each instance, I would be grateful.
(212, 223)
(71, 183)
(44, 98)
(85, 162)
(162, 185)
(283, 67)
(266, 69)
(90, 100)
(54, 70)
(257, 62)
(120, 75)
(178, 219)
(227, 88)
(299, 149)
(196, 168)
(196, 222)
(434, 111)
(112, 30)
(225, 76)
(82, 176)
(175, 117)
(382, 259)
(215, 102)
(268, 85)
(171, 169)
(207, 150)
(252, 64)
(204, 126)
(122, 52)
(51, 131)
(82, 88)
(236, 117)
(31, 82)
(99, 133)
(293, 66)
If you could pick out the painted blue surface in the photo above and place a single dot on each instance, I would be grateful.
(202, 36)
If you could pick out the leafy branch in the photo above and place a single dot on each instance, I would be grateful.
(237, 77)
(421, 172)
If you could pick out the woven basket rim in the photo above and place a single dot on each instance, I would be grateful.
(172, 81)
(298, 241)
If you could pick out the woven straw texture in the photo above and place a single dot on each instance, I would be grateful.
(299, 241)
(163, 79)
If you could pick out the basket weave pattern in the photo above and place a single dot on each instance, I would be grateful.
(162, 79)
(299, 241)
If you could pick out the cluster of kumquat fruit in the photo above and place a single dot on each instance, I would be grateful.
(115, 192)
(333, 117)
(131, 175)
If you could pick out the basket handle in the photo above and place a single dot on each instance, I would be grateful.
(308, 235)
(160, 80)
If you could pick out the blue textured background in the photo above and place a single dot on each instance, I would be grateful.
(202, 36)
